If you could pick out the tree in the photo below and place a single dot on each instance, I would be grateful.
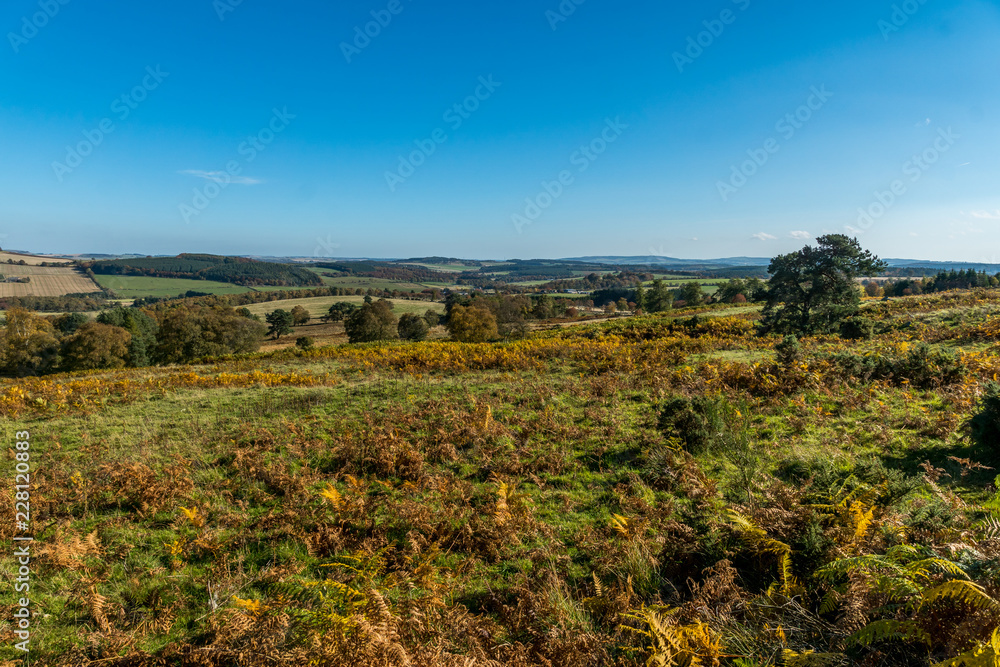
(432, 318)
(542, 309)
(300, 316)
(192, 332)
(28, 345)
(691, 294)
(509, 312)
(658, 298)
(70, 322)
(412, 327)
(340, 311)
(472, 325)
(142, 328)
(372, 322)
(640, 297)
(96, 345)
(728, 291)
(279, 323)
(815, 289)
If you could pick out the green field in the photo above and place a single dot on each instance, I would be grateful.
(530, 504)
(147, 286)
(318, 306)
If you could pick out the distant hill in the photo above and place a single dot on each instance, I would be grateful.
(236, 270)
(673, 262)
(731, 262)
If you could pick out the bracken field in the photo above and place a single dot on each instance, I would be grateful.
(656, 490)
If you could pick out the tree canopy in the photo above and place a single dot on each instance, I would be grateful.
(372, 322)
(815, 289)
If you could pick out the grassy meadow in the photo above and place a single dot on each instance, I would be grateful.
(136, 287)
(660, 490)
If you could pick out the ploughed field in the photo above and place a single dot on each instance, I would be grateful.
(45, 281)
(663, 490)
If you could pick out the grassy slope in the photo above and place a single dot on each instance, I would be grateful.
(141, 286)
(419, 461)
(319, 306)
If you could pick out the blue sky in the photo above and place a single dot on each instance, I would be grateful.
(580, 129)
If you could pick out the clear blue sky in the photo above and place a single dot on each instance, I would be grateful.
(922, 83)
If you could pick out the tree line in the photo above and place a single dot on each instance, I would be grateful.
(121, 337)
(236, 270)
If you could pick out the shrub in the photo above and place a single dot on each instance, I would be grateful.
(858, 328)
(304, 342)
(789, 351)
(922, 367)
(698, 423)
(412, 327)
(984, 426)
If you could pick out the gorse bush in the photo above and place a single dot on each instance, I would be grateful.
(698, 423)
(984, 426)
(858, 328)
(788, 351)
(922, 367)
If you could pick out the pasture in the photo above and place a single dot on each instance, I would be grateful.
(593, 495)
(318, 306)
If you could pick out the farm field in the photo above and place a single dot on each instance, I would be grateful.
(135, 287)
(359, 282)
(319, 306)
(593, 495)
(30, 260)
(45, 281)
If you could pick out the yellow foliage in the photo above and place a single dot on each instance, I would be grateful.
(675, 645)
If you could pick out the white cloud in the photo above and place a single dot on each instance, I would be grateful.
(763, 236)
(985, 215)
(802, 236)
(221, 177)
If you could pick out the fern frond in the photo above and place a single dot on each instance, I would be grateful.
(941, 565)
(967, 592)
(812, 659)
(620, 524)
(986, 654)
(331, 494)
(879, 631)
(990, 528)
(829, 602)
